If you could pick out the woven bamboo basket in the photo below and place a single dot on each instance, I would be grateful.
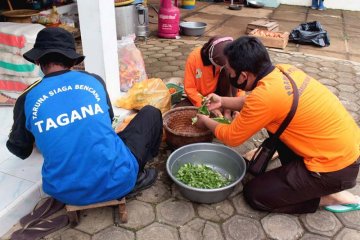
(20, 15)
(179, 130)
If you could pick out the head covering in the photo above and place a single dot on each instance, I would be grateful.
(53, 40)
(213, 50)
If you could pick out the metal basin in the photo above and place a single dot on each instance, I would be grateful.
(255, 4)
(193, 28)
(219, 157)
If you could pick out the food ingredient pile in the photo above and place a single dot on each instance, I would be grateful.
(201, 176)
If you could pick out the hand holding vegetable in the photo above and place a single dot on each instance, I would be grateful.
(203, 112)
(214, 101)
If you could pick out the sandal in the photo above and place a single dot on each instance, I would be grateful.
(47, 208)
(39, 228)
(341, 208)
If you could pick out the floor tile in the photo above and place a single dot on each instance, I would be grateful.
(324, 19)
(250, 12)
(6, 119)
(11, 188)
(4, 152)
(28, 169)
(289, 16)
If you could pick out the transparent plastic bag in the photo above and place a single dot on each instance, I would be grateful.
(131, 63)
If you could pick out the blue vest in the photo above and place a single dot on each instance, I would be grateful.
(84, 160)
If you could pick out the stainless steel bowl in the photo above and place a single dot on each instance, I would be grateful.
(192, 28)
(255, 4)
(219, 157)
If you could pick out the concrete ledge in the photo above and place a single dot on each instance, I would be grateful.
(19, 208)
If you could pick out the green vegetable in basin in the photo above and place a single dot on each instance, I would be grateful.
(201, 176)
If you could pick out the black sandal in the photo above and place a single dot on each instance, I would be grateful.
(39, 228)
(48, 207)
(146, 179)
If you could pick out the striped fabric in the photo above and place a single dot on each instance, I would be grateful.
(16, 74)
(17, 38)
(12, 40)
(12, 86)
(16, 65)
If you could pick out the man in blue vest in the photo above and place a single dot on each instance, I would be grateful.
(68, 116)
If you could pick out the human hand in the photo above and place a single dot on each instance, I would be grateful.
(217, 113)
(235, 114)
(214, 101)
(227, 114)
(200, 123)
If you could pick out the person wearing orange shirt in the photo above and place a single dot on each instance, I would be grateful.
(319, 150)
(204, 73)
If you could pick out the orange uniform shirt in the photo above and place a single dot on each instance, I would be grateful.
(200, 79)
(322, 131)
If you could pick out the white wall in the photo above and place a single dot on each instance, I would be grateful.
(352, 5)
(99, 42)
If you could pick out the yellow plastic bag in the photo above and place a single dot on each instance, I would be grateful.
(151, 91)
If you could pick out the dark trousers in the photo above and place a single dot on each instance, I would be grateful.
(143, 134)
(292, 188)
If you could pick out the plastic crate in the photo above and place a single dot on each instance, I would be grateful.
(175, 97)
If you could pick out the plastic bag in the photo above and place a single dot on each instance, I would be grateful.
(310, 33)
(151, 91)
(131, 63)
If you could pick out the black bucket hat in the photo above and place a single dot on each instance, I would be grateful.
(53, 40)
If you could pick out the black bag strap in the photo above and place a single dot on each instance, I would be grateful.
(292, 111)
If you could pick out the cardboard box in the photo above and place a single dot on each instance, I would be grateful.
(263, 24)
(271, 39)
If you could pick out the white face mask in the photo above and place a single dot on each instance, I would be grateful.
(211, 50)
(212, 60)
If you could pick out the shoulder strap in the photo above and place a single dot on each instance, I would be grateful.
(292, 111)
